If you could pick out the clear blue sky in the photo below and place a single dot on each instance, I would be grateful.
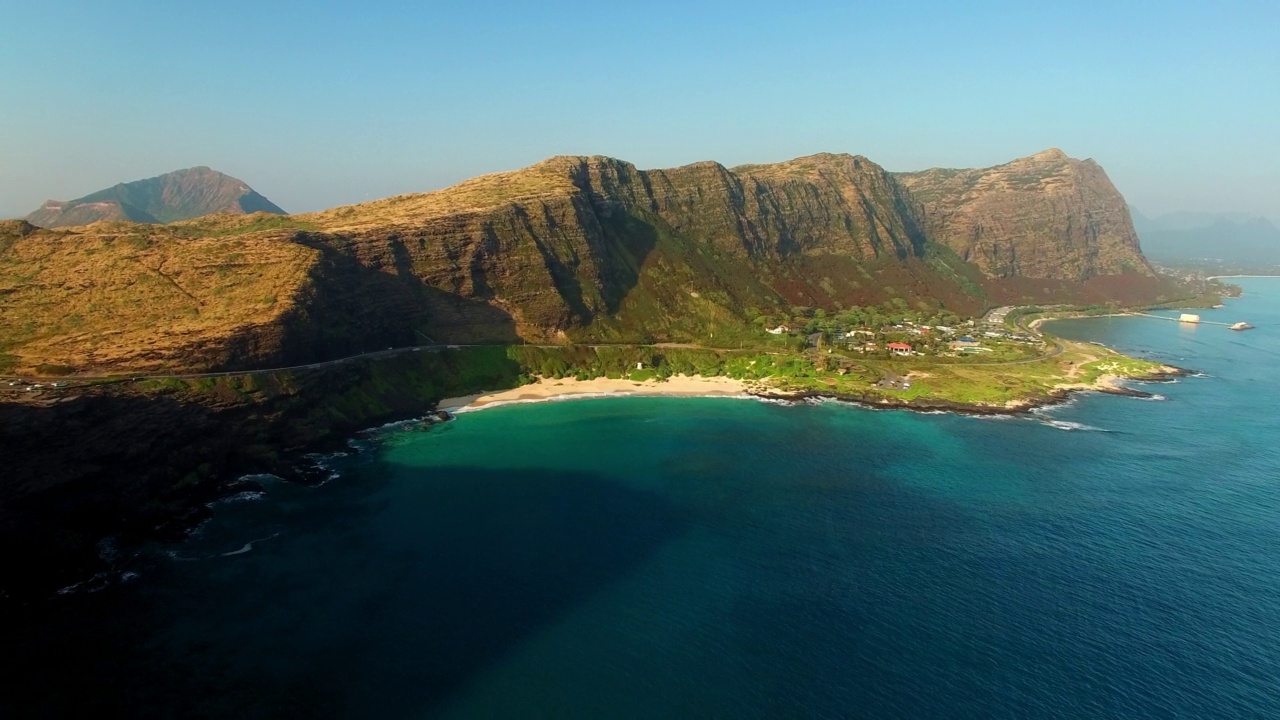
(317, 104)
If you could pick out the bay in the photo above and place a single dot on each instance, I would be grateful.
(649, 557)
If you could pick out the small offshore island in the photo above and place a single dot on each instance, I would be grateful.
(156, 354)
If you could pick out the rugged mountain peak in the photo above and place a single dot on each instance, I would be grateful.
(810, 166)
(1043, 216)
(178, 195)
(1050, 155)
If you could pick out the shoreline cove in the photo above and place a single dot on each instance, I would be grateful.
(551, 390)
(578, 558)
(302, 457)
(546, 390)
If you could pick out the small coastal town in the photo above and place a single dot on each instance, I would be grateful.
(868, 333)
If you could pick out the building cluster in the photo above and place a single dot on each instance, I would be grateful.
(906, 338)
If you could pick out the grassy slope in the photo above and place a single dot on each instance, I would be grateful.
(125, 296)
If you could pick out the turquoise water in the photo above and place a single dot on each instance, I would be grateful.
(716, 557)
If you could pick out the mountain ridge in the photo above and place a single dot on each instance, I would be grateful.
(570, 249)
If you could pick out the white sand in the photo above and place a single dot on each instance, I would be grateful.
(547, 389)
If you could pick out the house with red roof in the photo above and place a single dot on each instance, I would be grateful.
(898, 348)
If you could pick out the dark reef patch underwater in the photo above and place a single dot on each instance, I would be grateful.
(646, 557)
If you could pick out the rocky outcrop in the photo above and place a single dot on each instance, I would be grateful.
(179, 195)
(1045, 216)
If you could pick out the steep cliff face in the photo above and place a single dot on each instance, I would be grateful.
(1047, 216)
(594, 248)
(178, 195)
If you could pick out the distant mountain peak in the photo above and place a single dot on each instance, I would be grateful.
(178, 195)
(1052, 154)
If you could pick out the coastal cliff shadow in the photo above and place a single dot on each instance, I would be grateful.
(912, 215)
(617, 244)
(504, 555)
(373, 603)
(634, 239)
(364, 297)
(140, 461)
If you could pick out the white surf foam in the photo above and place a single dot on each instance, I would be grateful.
(264, 478)
(321, 461)
(97, 583)
(246, 496)
(248, 546)
(394, 425)
(1047, 410)
(1072, 426)
(771, 400)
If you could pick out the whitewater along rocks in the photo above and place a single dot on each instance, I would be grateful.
(1049, 398)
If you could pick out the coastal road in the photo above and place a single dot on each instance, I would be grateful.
(70, 381)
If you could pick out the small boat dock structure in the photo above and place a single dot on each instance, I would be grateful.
(1191, 319)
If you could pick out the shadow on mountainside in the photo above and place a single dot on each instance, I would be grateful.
(633, 239)
(916, 235)
(363, 606)
(354, 306)
(592, 279)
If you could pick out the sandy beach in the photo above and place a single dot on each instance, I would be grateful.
(547, 389)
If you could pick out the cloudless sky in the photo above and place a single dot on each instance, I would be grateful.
(322, 103)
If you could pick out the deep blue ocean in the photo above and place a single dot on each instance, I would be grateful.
(663, 558)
